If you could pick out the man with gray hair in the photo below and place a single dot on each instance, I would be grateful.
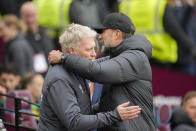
(65, 104)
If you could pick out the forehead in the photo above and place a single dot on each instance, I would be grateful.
(106, 31)
(38, 77)
(28, 8)
(87, 42)
(7, 75)
(191, 101)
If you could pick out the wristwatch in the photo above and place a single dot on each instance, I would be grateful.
(62, 58)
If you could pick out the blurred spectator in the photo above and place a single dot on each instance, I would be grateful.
(79, 12)
(184, 119)
(33, 83)
(185, 12)
(53, 16)
(112, 5)
(1, 51)
(3, 90)
(11, 6)
(156, 20)
(8, 77)
(17, 51)
(37, 38)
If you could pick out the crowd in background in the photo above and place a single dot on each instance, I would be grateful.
(29, 31)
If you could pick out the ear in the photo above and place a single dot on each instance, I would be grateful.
(118, 34)
(17, 77)
(71, 50)
(28, 87)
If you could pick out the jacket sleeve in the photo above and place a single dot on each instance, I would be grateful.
(64, 103)
(121, 69)
(102, 59)
(19, 60)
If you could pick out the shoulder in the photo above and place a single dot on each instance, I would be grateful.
(57, 72)
(134, 56)
(20, 43)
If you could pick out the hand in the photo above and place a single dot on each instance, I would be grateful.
(128, 112)
(54, 57)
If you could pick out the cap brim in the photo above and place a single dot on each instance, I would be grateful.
(99, 29)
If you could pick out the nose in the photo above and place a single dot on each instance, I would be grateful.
(94, 53)
(99, 37)
(7, 84)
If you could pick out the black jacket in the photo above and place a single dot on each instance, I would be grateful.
(40, 42)
(20, 54)
(181, 122)
(127, 77)
(172, 26)
(65, 104)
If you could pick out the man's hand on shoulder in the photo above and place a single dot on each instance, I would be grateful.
(54, 57)
(127, 112)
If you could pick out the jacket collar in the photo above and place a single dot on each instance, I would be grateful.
(135, 42)
(115, 51)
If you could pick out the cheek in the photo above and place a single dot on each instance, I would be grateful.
(3, 33)
(32, 20)
(191, 112)
(35, 90)
(6, 35)
(86, 54)
(104, 36)
(82, 52)
(38, 90)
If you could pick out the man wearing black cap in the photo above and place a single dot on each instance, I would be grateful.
(126, 75)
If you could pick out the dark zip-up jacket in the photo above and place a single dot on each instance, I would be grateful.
(66, 105)
(180, 121)
(127, 77)
(40, 42)
(20, 54)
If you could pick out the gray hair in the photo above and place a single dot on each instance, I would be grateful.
(73, 34)
(126, 35)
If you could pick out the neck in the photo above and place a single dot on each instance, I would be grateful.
(33, 29)
(117, 42)
(34, 100)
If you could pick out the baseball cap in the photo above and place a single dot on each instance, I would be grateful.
(116, 21)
